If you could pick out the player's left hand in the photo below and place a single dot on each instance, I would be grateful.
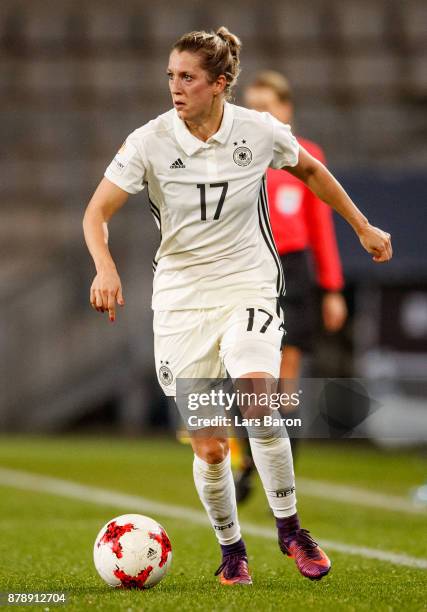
(376, 242)
(334, 311)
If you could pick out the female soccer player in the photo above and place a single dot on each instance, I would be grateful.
(217, 273)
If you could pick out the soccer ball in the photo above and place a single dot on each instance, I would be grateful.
(132, 551)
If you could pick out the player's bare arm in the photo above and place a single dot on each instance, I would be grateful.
(318, 178)
(106, 287)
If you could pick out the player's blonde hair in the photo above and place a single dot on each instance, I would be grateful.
(219, 52)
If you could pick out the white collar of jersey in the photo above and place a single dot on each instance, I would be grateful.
(190, 144)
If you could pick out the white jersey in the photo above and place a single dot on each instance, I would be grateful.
(209, 201)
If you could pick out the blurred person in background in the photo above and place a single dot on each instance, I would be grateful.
(304, 234)
(203, 163)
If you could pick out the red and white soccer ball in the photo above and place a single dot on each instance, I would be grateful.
(132, 551)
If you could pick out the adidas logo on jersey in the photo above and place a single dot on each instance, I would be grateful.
(178, 164)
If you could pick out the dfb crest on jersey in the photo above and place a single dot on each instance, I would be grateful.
(165, 373)
(242, 156)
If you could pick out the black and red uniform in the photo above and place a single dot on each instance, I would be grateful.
(304, 233)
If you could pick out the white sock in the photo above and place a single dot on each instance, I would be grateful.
(273, 459)
(215, 486)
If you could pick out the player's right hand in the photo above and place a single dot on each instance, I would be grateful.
(106, 289)
(334, 311)
(376, 242)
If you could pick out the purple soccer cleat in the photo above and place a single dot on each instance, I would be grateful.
(309, 558)
(234, 570)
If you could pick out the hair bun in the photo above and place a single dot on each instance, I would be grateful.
(230, 39)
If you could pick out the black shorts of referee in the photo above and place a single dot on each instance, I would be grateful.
(300, 303)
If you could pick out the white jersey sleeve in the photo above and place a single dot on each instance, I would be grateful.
(127, 170)
(285, 145)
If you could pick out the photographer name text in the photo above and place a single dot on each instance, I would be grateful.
(267, 420)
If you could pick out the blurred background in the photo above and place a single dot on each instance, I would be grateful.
(77, 77)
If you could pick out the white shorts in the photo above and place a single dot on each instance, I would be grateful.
(208, 343)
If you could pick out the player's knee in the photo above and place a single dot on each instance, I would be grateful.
(212, 450)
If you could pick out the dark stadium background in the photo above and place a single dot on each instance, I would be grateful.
(77, 77)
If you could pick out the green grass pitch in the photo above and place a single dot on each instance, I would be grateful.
(47, 540)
